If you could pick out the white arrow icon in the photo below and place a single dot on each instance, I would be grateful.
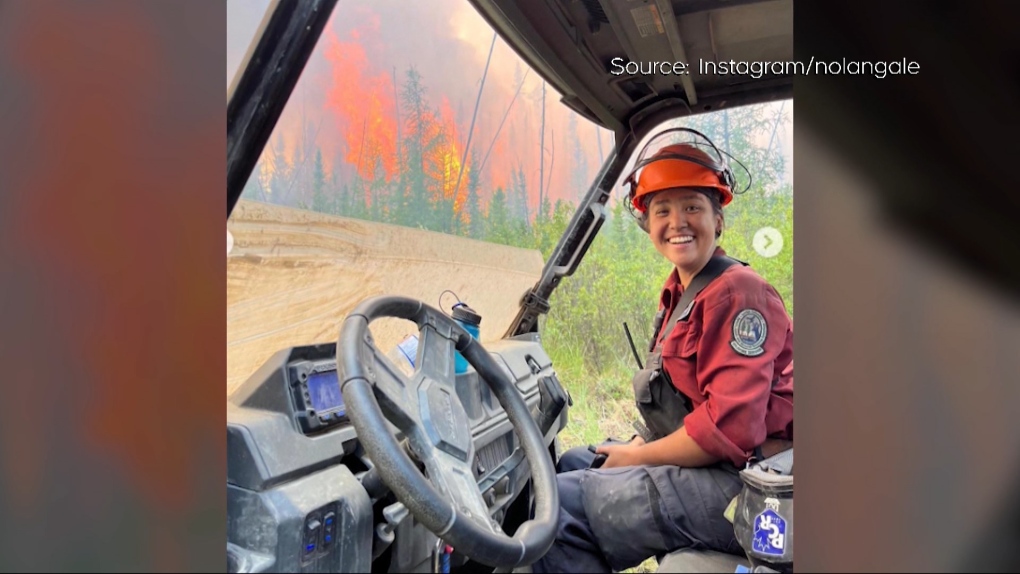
(768, 242)
(230, 242)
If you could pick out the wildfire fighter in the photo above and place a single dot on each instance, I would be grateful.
(716, 390)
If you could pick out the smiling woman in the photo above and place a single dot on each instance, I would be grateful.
(683, 225)
(715, 393)
(679, 186)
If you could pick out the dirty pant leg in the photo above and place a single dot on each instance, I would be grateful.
(630, 514)
(574, 549)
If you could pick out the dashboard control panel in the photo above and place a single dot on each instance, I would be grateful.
(319, 533)
(315, 387)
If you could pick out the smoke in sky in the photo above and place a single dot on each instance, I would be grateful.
(346, 103)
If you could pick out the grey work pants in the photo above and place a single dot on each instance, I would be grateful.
(614, 519)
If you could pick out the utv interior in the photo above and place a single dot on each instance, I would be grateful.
(340, 462)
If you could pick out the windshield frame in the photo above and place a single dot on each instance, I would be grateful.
(265, 80)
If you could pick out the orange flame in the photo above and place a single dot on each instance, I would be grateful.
(365, 108)
(446, 159)
(367, 131)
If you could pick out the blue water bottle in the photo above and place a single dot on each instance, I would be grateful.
(470, 320)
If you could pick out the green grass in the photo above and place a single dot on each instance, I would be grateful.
(603, 403)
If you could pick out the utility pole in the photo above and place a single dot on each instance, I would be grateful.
(474, 115)
(541, 156)
(396, 104)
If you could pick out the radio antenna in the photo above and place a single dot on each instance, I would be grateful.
(632, 347)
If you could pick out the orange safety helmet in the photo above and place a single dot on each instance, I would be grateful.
(679, 165)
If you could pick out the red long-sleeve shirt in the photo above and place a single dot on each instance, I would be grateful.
(733, 357)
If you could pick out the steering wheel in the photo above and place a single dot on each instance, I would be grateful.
(425, 407)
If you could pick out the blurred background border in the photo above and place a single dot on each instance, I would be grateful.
(113, 280)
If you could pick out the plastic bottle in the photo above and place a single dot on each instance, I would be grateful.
(470, 320)
(404, 354)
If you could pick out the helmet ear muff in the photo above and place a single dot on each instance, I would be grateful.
(642, 222)
(727, 176)
(640, 216)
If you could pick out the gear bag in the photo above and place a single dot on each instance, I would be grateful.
(763, 512)
(661, 405)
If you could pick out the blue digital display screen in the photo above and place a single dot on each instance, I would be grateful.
(324, 390)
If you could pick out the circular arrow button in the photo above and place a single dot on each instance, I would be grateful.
(768, 242)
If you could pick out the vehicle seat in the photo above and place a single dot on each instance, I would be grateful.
(688, 560)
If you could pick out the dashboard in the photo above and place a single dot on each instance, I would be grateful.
(303, 497)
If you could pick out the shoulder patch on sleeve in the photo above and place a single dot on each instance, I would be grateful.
(749, 330)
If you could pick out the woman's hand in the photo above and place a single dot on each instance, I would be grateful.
(621, 454)
(677, 449)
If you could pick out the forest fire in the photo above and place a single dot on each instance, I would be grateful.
(365, 105)
(447, 157)
(367, 110)
(384, 113)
